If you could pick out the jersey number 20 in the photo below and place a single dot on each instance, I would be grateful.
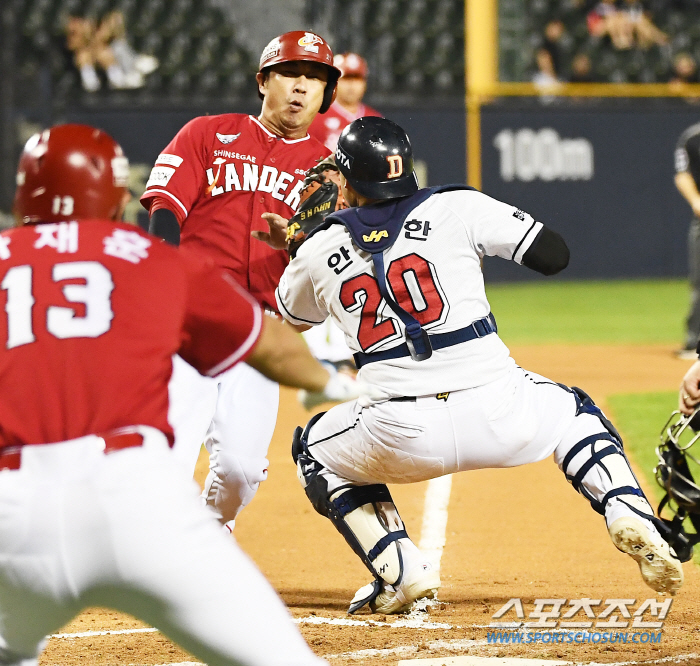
(61, 322)
(414, 284)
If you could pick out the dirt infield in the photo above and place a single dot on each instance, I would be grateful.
(517, 533)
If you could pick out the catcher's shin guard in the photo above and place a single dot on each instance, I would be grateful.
(365, 515)
(597, 467)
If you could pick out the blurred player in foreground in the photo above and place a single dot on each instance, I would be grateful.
(348, 105)
(94, 311)
(207, 192)
(412, 301)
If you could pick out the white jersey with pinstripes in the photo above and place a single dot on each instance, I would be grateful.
(433, 271)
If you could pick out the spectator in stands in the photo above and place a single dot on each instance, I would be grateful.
(607, 19)
(348, 104)
(546, 74)
(685, 70)
(80, 33)
(135, 66)
(105, 46)
(554, 33)
(646, 32)
(582, 69)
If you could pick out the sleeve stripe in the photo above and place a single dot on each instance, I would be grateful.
(288, 315)
(172, 196)
(523, 246)
(244, 348)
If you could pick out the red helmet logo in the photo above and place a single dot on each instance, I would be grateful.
(309, 41)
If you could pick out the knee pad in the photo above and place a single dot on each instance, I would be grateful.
(365, 516)
(602, 453)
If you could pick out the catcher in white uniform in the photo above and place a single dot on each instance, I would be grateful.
(400, 273)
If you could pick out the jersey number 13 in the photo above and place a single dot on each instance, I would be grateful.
(61, 322)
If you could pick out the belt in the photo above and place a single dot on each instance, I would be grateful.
(115, 440)
(478, 329)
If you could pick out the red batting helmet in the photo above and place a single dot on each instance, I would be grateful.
(351, 64)
(70, 172)
(300, 45)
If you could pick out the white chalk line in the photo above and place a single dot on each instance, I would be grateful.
(90, 634)
(404, 623)
(458, 645)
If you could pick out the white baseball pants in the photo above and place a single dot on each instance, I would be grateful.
(82, 528)
(234, 415)
(520, 418)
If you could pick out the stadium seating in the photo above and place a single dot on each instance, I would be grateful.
(679, 19)
(415, 49)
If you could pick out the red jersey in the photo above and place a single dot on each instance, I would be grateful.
(92, 312)
(326, 128)
(218, 175)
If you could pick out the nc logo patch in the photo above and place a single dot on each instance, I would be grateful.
(375, 236)
(227, 138)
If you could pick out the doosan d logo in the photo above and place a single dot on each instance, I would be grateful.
(310, 41)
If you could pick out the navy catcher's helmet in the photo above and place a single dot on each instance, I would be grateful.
(376, 158)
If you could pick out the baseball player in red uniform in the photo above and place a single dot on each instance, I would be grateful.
(348, 104)
(208, 191)
(92, 312)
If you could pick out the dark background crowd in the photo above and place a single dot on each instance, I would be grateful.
(606, 41)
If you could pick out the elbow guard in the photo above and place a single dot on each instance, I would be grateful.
(164, 224)
(548, 253)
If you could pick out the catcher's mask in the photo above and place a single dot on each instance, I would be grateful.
(673, 474)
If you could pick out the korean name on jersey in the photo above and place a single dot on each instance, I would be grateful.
(433, 270)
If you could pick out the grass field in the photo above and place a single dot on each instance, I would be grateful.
(640, 417)
(613, 312)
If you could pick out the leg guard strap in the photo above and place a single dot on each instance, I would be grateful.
(360, 496)
(384, 543)
(588, 441)
(595, 459)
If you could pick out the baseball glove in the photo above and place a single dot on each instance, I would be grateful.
(320, 196)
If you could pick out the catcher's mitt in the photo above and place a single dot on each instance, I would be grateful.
(320, 196)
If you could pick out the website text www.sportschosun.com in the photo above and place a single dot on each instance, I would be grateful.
(514, 637)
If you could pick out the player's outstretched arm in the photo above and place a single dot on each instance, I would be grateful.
(689, 394)
(282, 355)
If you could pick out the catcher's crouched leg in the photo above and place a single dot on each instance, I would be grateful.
(592, 457)
(369, 522)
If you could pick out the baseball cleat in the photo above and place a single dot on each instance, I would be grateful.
(423, 584)
(660, 570)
